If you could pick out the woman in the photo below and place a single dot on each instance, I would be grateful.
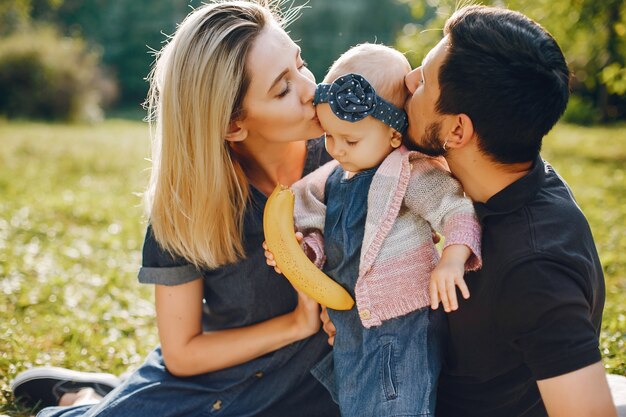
(231, 99)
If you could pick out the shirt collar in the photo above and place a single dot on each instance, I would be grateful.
(515, 195)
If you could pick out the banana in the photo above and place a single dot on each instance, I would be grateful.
(280, 238)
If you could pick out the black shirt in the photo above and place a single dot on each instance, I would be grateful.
(535, 307)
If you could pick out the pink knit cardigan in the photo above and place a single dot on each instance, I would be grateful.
(410, 192)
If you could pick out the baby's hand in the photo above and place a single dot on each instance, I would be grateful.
(443, 282)
(269, 256)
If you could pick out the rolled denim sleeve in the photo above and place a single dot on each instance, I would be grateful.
(159, 266)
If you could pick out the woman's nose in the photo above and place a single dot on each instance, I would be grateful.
(412, 79)
(307, 89)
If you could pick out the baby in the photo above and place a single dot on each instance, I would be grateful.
(375, 206)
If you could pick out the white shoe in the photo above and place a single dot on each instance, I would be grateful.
(44, 386)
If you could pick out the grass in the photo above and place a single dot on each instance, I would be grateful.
(71, 230)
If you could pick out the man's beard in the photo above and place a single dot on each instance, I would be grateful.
(431, 143)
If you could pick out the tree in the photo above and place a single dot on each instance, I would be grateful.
(16, 14)
(591, 34)
(44, 75)
(126, 31)
(328, 28)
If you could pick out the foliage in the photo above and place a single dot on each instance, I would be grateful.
(129, 29)
(46, 76)
(591, 33)
(328, 28)
(13, 14)
(614, 76)
(124, 30)
(71, 228)
(16, 14)
(580, 110)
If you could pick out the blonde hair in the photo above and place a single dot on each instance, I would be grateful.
(197, 194)
(377, 63)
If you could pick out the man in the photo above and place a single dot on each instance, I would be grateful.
(526, 341)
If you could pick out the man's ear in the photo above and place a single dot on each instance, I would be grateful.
(462, 131)
(396, 138)
(236, 132)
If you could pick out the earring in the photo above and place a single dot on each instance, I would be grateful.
(445, 149)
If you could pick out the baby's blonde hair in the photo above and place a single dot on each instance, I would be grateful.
(383, 67)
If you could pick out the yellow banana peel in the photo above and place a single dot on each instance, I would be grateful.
(280, 238)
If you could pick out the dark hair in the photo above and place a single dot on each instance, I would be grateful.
(508, 74)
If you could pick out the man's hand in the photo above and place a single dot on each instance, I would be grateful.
(328, 326)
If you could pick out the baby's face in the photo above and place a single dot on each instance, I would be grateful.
(357, 146)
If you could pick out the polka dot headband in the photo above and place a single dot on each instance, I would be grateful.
(352, 98)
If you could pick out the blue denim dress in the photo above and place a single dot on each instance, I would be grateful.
(278, 384)
(389, 370)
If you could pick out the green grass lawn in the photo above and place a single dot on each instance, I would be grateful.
(72, 224)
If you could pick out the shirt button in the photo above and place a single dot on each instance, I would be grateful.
(217, 405)
(365, 314)
(259, 374)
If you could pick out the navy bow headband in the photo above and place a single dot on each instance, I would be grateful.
(352, 98)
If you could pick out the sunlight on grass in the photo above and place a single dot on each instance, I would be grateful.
(593, 162)
(71, 229)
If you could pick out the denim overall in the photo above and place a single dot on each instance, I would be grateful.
(389, 370)
(278, 384)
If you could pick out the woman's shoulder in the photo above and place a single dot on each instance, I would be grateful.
(154, 255)
(159, 266)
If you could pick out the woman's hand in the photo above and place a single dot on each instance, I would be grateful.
(328, 326)
(188, 351)
(306, 316)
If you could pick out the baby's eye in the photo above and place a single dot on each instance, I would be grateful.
(351, 143)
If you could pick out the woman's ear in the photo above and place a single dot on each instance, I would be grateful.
(396, 139)
(236, 132)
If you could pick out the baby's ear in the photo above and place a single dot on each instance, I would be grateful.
(396, 138)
